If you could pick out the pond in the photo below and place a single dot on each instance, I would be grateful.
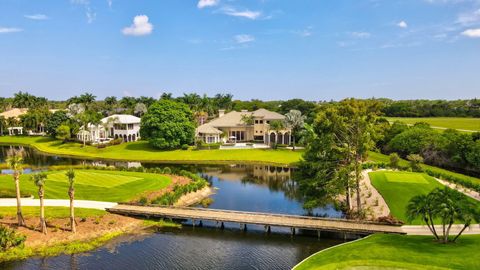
(257, 188)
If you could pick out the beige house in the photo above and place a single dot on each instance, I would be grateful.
(230, 127)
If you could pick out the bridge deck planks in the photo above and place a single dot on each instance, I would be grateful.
(299, 222)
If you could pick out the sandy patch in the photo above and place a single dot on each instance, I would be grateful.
(193, 198)
(372, 201)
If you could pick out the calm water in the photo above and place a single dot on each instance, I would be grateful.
(239, 187)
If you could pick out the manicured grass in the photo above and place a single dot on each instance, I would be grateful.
(384, 251)
(470, 124)
(142, 151)
(50, 212)
(97, 185)
(397, 188)
(378, 157)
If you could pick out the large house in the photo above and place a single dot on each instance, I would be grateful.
(232, 127)
(124, 126)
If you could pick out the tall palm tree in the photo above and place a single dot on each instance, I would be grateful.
(14, 161)
(39, 180)
(421, 207)
(71, 193)
(295, 120)
(3, 124)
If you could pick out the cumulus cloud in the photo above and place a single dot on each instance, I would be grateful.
(207, 3)
(469, 18)
(140, 27)
(248, 14)
(38, 17)
(402, 24)
(244, 38)
(6, 30)
(472, 33)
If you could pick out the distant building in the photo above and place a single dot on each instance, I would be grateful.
(15, 113)
(233, 129)
(124, 126)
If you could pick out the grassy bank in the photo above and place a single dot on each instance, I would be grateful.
(97, 185)
(461, 123)
(50, 212)
(378, 157)
(142, 151)
(398, 252)
(397, 188)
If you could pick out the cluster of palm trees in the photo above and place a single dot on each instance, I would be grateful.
(445, 206)
(15, 161)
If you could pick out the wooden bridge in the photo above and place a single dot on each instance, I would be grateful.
(265, 219)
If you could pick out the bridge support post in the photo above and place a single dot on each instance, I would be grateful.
(200, 224)
(292, 231)
(193, 223)
(318, 234)
(243, 227)
(267, 229)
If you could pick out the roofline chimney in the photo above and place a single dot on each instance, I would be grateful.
(221, 113)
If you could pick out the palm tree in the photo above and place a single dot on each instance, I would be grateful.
(71, 193)
(421, 207)
(277, 126)
(39, 180)
(3, 124)
(295, 120)
(14, 161)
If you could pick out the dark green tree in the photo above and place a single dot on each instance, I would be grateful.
(168, 125)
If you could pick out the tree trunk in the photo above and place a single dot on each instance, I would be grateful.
(357, 180)
(349, 200)
(461, 231)
(73, 228)
(432, 230)
(293, 141)
(21, 220)
(43, 224)
(433, 227)
(445, 239)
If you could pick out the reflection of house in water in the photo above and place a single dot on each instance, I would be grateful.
(271, 172)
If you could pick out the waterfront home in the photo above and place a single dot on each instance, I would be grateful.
(124, 126)
(232, 127)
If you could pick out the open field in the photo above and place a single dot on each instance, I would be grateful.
(142, 151)
(463, 124)
(386, 251)
(112, 186)
(397, 188)
(379, 157)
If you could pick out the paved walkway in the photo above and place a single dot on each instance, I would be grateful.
(423, 229)
(65, 203)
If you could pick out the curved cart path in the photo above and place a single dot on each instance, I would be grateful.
(54, 202)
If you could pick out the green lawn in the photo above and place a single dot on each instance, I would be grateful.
(397, 188)
(141, 151)
(471, 124)
(378, 157)
(384, 251)
(50, 212)
(112, 186)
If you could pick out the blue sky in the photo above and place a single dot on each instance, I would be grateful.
(267, 49)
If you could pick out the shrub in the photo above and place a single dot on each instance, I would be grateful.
(184, 146)
(101, 145)
(116, 141)
(394, 160)
(10, 239)
(167, 170)
(143, 200)
(415, 162)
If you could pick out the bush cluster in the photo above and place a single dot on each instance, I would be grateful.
(171, 198)
(10, 239)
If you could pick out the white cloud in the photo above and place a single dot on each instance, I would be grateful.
(140, 27)
(6, 30)
(207, 3)
(360, 34)
(469, 18)
(244, 38)
(248, 14)
(38, 17)
(402, 24)
(110, 3)
(91, 16)
(472, 33)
